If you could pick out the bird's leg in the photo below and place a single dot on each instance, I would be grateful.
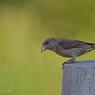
(72, 60)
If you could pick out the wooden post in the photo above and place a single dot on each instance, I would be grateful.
(79, 78)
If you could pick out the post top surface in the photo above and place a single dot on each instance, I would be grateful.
(86, 61)
(83, 62)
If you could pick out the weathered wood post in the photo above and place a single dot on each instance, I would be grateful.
(79, 78)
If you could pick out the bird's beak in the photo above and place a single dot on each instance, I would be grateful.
(43, 48)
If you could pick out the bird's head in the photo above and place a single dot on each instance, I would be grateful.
(48, 44)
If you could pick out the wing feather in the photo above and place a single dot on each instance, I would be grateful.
(68, 44)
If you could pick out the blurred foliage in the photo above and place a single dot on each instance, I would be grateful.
(24, 25)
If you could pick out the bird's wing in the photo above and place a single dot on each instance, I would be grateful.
(68, 44)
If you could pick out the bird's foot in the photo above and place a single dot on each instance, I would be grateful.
(71, 61)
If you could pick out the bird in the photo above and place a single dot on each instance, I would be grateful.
(67, 48)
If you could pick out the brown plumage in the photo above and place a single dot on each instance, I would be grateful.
(67, 48)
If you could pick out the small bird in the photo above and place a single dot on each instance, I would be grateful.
(67, 47)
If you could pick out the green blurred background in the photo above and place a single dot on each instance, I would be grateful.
(24, 25)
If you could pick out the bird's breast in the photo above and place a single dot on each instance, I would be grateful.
(61, 52)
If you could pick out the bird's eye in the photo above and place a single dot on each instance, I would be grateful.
(46, 43)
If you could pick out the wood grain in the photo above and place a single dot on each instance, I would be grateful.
(79, 78)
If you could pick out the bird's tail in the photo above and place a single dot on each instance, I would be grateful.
(93, 46)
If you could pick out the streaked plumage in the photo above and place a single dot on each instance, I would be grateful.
(67, 48)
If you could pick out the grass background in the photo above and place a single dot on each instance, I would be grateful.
(24, 25)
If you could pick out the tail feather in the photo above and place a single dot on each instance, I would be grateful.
(93, 46)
